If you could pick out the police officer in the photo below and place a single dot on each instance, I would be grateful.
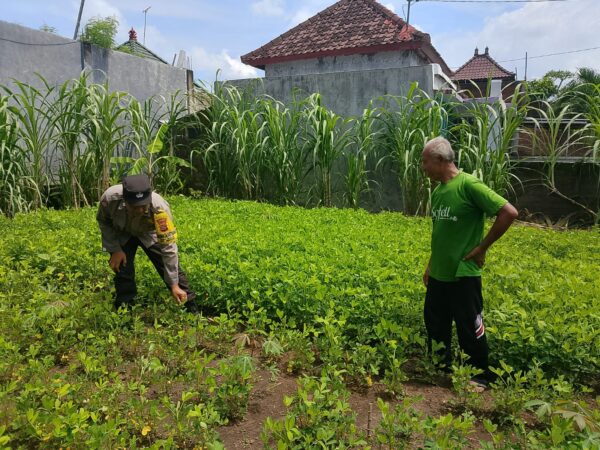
(131, 215)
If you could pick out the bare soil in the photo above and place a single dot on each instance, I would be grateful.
(267, 396)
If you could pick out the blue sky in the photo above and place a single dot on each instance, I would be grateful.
(214, 33)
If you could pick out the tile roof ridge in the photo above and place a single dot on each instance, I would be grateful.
(292, 30)
(396, 19)
(485, 56)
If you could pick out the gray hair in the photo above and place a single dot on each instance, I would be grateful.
(441, 148)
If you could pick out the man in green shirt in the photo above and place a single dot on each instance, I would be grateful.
(459, 205)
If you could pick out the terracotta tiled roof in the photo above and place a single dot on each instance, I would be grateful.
(481, 67)
(345, 28)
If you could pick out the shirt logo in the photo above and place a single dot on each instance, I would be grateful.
(443, 213)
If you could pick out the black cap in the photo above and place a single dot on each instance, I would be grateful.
(137, 190)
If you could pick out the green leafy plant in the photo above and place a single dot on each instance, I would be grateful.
(397, 425)
(318, 416)
(100, 31)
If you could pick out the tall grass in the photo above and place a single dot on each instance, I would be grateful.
(80, 137)
(364, 151)
(15, 184)
(408, 123)
(554, 135)
(67, 111)
(327, 137)
(35, 126)
(61, 145)
(484, 137)
(286, 151)
(104, 134)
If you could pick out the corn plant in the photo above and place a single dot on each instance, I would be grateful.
(408, 122)
(249, 146)
(365, 138)
(555, 133)
(35, 126)
(148, 133)
(328, 135)
(68, 112)
(14, 175)
(217, 147)
(483, 139)
(104, 133)
(168, 176)
(286, 154)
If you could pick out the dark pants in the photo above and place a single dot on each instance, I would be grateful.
(125, 286)
(462, 302)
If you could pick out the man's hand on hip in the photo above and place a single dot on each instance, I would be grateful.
(477, 255)
(178, 294)
(117, 259)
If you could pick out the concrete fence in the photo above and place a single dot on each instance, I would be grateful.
(25, 52)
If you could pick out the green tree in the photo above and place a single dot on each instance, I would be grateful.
(560, 88)
(549, 86)
(100, 31)
(581, 91)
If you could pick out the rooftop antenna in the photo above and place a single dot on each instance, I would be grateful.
(145, 11)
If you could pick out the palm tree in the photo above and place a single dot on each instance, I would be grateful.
(580, 92)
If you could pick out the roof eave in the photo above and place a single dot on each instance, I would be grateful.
(426, 48)
(507, 77)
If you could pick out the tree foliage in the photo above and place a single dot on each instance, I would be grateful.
(100, 31)
(561, 88)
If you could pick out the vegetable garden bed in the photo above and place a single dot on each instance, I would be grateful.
(330, 296)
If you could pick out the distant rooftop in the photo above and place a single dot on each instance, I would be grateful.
(133, 47)
(346, 28)
(481, 67)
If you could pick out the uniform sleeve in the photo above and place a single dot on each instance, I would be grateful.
(485, 198)
(170, 254)
(110, 240)
(171, 263)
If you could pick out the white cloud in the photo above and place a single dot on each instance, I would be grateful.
(268, 7)
(390, 6)
(99, 8)
(300, 16)
(230, 67)
(536, 28)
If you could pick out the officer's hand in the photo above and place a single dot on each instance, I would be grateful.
(426, 276)
(178, 294)
(117, 259)
(477, 255)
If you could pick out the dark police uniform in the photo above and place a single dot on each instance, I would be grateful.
(125, 232)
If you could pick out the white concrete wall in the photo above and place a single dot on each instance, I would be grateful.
(25, 52)
(349, 63)
(347, 93)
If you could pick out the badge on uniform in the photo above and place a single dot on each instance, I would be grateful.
(166, 233)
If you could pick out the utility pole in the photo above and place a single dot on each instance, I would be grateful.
(525, 66)
(408, 13)
(78, 19)
(145, 11)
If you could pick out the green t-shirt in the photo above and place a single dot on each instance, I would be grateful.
(458, 210)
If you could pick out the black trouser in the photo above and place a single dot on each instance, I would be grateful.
(462, 302)
(125, 286)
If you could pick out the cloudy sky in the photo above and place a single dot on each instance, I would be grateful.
(214, 33)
